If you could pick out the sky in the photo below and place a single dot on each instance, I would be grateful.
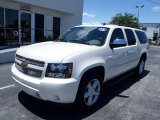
(100, 11)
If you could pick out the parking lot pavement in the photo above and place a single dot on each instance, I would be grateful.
(130, 99)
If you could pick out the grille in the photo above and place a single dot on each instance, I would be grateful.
(29, 71)
(30, 61)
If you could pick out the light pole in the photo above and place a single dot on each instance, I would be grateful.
(139, 7)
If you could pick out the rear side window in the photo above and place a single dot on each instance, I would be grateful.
(117, 34)
(130, 37)
(141, 36)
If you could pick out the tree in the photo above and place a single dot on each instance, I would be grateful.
(128, 20)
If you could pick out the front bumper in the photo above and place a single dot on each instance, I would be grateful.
(49, 89)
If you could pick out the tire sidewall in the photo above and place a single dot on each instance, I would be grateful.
(83, 84)
(138, 73)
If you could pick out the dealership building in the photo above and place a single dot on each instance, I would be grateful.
(32, 21)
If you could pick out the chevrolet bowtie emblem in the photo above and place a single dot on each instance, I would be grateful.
(24, 64)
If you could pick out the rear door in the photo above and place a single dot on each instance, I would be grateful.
(132, 49)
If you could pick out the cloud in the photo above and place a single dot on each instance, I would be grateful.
(156, 9)
(85, 14)
(92, 23)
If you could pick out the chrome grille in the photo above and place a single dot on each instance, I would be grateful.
(29, 71)
(30, 61)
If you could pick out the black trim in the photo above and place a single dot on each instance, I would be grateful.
(30, 61)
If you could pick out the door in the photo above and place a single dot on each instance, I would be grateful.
(132, 50)
(25, 28)
(11, 27)
(39, 27)
(56, 27)
(2, 40)
(117, 60)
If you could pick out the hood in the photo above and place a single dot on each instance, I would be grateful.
(51, 52)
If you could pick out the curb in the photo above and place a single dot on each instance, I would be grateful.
(7, 56)
(154, 46)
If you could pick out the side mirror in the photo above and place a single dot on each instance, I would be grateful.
(118, 43)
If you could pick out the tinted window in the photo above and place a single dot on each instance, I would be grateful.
(11, 17)
(25, 27)
(1, 17)
(56, 27)
(39, 27)
(86, 35)
(141, 36)
(117, 34)
(2, 26)
(130, 37)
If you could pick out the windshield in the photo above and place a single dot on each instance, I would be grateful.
(86, 35)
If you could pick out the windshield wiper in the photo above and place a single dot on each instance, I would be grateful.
(72, 41)
(78, 41)
(59, 40)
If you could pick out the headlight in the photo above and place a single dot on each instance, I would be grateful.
(62, 70)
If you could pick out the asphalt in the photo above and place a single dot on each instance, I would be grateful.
(130, 99)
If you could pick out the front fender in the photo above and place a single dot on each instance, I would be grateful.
(86, 60)
(86, 68)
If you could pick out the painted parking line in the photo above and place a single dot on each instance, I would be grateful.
(5, 87)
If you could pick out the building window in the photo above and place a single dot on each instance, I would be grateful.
(56, 27)
(144, 28)
(2, 40)
(11, 19)
(25, 28)
(39, 27)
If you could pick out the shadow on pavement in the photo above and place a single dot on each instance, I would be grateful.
(49, 110)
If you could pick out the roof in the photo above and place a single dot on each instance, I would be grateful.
(150, 25)
(108, 26)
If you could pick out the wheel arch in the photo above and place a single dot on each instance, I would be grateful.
(96, 69)
(144, 56)
(91, 70)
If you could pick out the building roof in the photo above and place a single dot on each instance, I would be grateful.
(155, 25)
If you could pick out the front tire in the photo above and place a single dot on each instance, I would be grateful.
(90, 91)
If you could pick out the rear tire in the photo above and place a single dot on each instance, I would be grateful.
(90, 91)
(140, 67)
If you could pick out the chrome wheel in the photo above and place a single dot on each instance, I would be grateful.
(141, 67)
(92, 92)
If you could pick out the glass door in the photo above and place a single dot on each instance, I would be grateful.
(11, 27)
(39, 27)
(56, 27)
(25, 28)
(2, 41)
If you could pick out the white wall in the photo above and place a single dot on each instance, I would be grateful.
(70, 11)
(68, 6)
(150, 31)
(9, 4)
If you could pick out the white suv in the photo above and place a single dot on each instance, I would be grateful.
(74, 68)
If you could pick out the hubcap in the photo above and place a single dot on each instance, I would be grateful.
(92, 92)
(141, 67)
